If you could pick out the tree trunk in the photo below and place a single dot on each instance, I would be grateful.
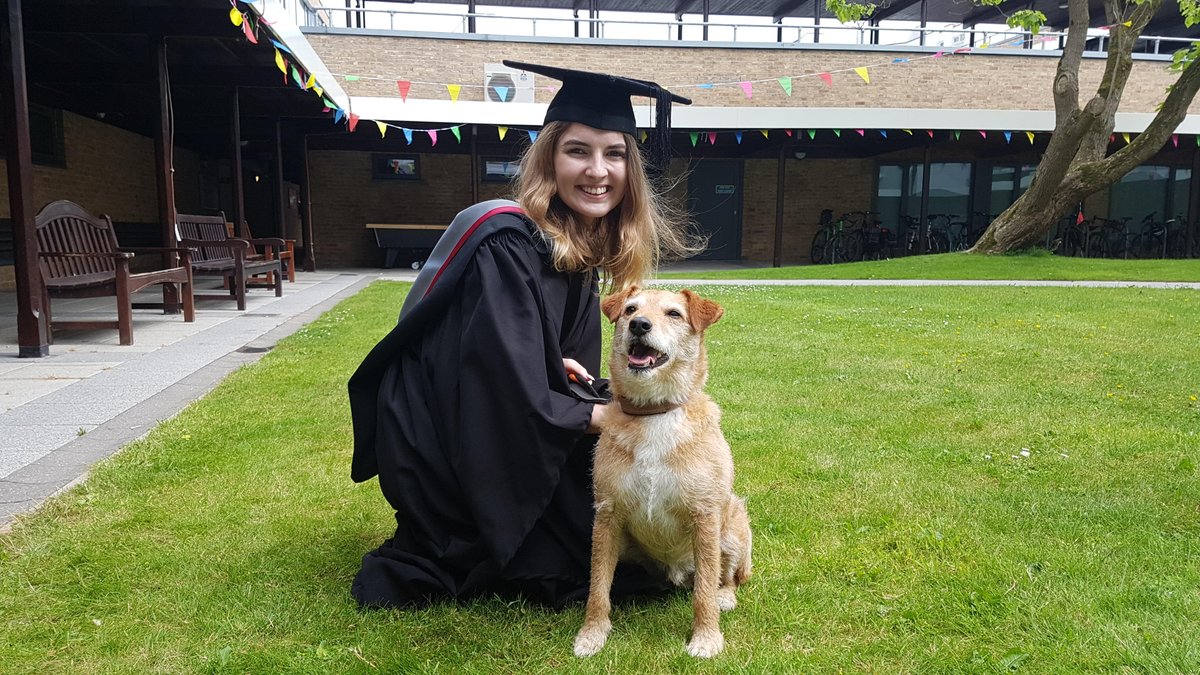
(1074, 165)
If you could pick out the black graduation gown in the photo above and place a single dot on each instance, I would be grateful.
(478, 443)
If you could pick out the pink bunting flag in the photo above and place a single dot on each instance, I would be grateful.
(353, 121)
(1175, 140)
(404, 86)
(930, 132)
(939, 55)
(712, 138)
(983, 133)
(826, 77)
(861, 132)
(249, 33)
(432, 135)
(747, 89)
(788, 132)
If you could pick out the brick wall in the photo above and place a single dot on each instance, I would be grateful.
(108, 170)
(999, 80)
(345, 198)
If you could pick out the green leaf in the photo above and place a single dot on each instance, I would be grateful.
(1029, 19)
(849, 12)
(1013, 660)
(1190, 9)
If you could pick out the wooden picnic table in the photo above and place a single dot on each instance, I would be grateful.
(416, 239)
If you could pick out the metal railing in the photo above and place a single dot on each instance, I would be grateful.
(698, 30)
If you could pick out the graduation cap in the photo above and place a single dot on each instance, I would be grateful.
(602, 101)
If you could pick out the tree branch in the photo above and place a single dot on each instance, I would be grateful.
(1066, 81)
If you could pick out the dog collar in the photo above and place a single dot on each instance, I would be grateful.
(630, 408)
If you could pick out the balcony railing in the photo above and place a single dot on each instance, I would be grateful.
(685, 30)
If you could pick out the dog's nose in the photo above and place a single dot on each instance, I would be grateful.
(640, 326)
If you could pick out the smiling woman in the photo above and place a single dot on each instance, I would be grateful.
(465, 410)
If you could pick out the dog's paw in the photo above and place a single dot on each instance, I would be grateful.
(726, 598)
(591, 639)
(707, 644)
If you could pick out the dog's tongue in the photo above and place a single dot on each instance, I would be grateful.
(641, 360)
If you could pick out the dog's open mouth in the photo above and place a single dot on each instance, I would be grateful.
(642, 357)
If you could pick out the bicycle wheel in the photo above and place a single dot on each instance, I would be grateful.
(939, 242)
(819, 245)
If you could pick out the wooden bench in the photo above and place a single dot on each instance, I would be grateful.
(286, 255)
(215, 253)
(393, 238)
(79, 258)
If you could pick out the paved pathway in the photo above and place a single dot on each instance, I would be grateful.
(61, 414)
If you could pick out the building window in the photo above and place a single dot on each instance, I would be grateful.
(46, 144)
(395, 167)
(496, 170)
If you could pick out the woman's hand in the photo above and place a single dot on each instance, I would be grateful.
(601, 416)
(573, 367)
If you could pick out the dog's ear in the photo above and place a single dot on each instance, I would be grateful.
(702, 312)
(613, 304)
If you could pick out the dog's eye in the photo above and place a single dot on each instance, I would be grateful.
(675, 313)
(630, 309)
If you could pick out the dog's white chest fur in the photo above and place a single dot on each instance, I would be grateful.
(654, 497)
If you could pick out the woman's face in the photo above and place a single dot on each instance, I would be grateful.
(590, 170)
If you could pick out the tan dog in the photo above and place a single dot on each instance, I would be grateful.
(663, 471)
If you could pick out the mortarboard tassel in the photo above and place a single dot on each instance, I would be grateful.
(659, 149)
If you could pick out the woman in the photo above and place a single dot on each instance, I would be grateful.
(465, 410)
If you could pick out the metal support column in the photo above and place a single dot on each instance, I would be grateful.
(922, 227)
(780, 182)
(235, 168)
(310, 255)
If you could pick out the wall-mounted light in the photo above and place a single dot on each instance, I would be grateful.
(257, 178)
(799, 154)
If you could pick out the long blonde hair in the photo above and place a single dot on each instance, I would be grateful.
(630, 241)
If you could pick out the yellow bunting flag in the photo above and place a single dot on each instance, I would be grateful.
(454, 89)
(642, 136)
(907, 131)
(235, 16)
(503, 130)
(311, 81)
(764, 133)
(279, 62)
(1030, 135)
(1125, 135)
(382, 128)
(862, 72)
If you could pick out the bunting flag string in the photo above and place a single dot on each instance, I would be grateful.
(250, 22)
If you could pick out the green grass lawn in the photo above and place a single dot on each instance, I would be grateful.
(939, 479)
(1027, 266)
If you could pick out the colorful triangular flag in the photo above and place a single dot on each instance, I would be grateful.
(712, 138)
(433, 135)
(786, 83)
(738, 136)
(812, 135)
(408, 136)
(1008, 137)
(747, 89)
(694, 136)
(532, 135)
(353, 121)
(1029, 134)
(503, 131)
(826, 78)
(862, 72)
(454, 90)
(457, 134)
(403, 86)
(382, 129)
